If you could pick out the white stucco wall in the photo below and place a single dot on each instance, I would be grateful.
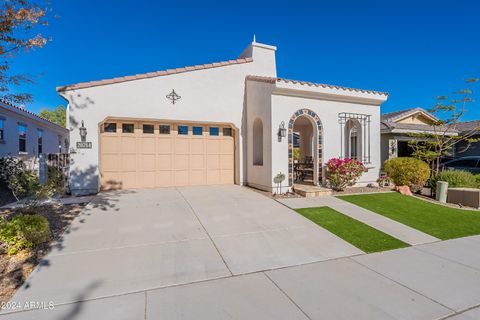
(259, 106)
(284, 106)
(10, 145)
(209, 95)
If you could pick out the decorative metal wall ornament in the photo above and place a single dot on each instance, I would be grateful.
(173, 96)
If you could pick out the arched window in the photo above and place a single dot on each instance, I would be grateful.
(258, 142)
(353, 139)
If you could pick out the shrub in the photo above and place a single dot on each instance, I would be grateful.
(455, 179)
(24, 232)
(342, 173)
(24, 184)
(10, 166)
(477, 181)
(410, 172)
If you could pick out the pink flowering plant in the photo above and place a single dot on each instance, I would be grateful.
(342, 173)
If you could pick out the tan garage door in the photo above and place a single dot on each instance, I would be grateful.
(138, 154)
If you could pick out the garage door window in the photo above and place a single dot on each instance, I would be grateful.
(214, 131)
(127, 128)
(227, 132)
(182, 129)
(197, 131)
(164, 129)
(110, 127)
(148, 128)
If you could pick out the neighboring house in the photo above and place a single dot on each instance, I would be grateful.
(219, 123)
(464, 148)
(397, 128)
(25, 134)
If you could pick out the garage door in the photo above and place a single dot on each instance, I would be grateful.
(137, 154)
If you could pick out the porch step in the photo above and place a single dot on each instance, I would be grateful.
(309, 191)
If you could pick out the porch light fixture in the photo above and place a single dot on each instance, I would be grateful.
(83, 133)
(282, 132)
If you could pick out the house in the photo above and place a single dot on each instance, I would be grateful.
(399, 127)
(464, 148)
(26, 134)
(218, 123)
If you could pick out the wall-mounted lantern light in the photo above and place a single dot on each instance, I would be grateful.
(83, 133)
(282, 131)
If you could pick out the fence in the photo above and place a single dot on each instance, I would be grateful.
(61, 161)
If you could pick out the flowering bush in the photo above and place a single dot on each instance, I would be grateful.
(342, 173)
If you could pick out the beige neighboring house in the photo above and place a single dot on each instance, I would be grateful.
(26, 134)
(397, 127)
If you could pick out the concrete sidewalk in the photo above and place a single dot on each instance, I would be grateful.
(428, 282)
(398, 230)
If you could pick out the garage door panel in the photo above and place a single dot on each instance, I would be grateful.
(110, 162)
(181, 162)
(181, 146)
(213, 146)
(164, 178)
(110, 144)
(128, 145)
(128, 162)
(226, 146)
(146, 162)
(164, 145)
(213, 161)
(180, 177)
(197, 161)
(226, 161)
(196, 177)
(141, 160)
(164, 161)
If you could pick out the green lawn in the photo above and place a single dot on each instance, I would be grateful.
(357, 233)
(436, 220)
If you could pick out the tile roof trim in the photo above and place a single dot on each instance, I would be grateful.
(83, 85)
(312, 84)
(16, 109)
(400, 114)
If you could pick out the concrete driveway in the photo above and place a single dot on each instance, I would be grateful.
(137, 240)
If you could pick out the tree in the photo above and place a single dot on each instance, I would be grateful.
(430, 147)
(57, 115)
(18, 19)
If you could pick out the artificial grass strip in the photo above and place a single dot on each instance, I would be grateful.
(436, 220)
(357, 233)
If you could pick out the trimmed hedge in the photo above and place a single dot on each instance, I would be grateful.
(410, 172)
(455, 179)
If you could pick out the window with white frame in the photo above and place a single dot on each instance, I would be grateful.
(355, 136)
(22, 138)
(40, 141)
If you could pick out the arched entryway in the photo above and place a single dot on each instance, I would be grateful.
(307, 124)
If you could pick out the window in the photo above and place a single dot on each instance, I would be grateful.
(353, 139)
(214, 131)
(110, 127)
(148, 128)
(40, 141)
(1, 129)
(182, 129)
(227, 132)
(197, 131)
(22, 138)
(257, 142)
(128, 128)
(164, 129)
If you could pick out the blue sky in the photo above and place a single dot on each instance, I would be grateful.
(415, 50)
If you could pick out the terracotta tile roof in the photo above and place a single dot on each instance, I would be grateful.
(83, 85)
(395, 115)
(20, 110)
(311, 84)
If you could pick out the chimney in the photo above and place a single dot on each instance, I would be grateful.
(263, 56)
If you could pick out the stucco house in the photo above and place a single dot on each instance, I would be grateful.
(25, 134)
(399, 127)
(218, 123)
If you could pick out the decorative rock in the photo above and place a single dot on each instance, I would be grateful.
(405, 190)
